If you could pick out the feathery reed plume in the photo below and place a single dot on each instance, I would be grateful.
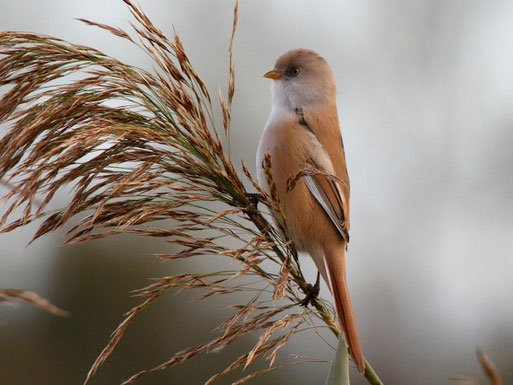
(488, 368)
(9, 296)
(138, 148)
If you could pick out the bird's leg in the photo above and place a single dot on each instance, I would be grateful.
(313, 291)
(255, 198)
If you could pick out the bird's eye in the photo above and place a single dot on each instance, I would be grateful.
(293, 71)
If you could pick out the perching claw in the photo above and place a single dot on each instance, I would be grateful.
(255, 198)
(313, 292)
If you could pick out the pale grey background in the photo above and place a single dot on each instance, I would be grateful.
(425, 97)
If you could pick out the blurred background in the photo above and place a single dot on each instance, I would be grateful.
(425, 95)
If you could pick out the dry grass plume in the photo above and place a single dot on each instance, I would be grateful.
(137, 148)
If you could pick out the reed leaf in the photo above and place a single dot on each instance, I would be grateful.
(339, 374)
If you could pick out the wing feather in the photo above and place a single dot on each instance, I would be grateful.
(327, 193)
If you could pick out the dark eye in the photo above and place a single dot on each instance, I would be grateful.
(293, 71)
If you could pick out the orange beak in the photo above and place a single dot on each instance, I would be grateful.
(272, 75)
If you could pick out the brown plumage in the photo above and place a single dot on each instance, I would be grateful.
(303, 132)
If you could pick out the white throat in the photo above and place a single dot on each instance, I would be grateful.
(291, 94)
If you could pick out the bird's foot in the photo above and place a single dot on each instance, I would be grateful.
(255, 198)
(312, 293)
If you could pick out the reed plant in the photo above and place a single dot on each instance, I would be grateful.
(488, 368)
(141, 153)
(12, 296)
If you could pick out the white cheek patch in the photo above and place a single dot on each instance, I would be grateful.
(294, 93)
(301, 95)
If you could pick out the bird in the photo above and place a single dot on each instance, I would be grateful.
(303, 140)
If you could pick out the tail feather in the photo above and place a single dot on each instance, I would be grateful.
(337, 273)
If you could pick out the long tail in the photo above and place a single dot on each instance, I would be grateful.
(336, 265)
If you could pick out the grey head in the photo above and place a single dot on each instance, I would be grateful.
(301, 79)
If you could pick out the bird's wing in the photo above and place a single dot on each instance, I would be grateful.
(325, 190)
(325, 186)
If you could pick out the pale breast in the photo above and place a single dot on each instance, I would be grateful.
(290, 145)
(284, 141)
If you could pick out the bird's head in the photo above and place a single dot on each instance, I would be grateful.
(301, 79)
